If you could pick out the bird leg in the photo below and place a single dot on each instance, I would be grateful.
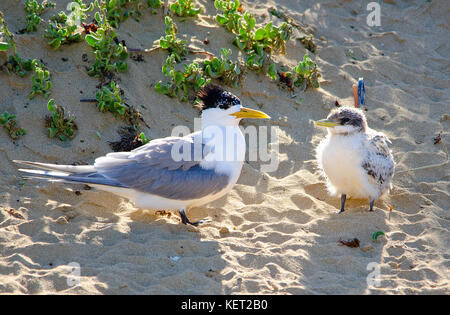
(185, 220)
(371, 205)
(343, 197)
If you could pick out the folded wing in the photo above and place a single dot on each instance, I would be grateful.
(168, 167)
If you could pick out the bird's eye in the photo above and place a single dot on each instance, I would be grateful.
(344, 121)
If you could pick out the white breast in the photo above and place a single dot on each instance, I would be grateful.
(340, 158)
(229, 161)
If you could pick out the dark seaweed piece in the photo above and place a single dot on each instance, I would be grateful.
(350, 243)
(437, 139)
(130, 139)
(286, 79)
(308, 42)
(88, 28)
(137, 58)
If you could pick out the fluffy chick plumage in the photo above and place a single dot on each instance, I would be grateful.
(355, 159)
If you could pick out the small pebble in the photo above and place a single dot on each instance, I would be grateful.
(211, 273)
(224, 230)
(62, 220)
(445, 117)
(366, 248)
(180, 251)
(394, 265)
(192, 228)
(71, 215)
(65, 208)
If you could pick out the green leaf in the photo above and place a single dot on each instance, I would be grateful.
(259, 34)
(98, 18)
(50, 105)
(122, 66)
(241, 45)
(272, 71)
(4, 46)
(92, 40)
(252, 22)
(52, 132)
(221, 19)
(268, 27)
(159, 88)
(163, 43)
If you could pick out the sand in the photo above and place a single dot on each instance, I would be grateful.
(274, 233)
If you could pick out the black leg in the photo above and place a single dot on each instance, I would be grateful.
(185, 220)
(343, 197)
(371, 205)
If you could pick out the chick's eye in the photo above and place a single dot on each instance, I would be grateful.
(344, 121)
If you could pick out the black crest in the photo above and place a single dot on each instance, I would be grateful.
(213, 96)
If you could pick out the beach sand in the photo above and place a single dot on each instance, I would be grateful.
(275, 232)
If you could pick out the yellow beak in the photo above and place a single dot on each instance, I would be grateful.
(250, 113)
(325, 123)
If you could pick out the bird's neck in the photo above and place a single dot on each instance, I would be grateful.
(227, 145)
(209, 119)
(334, 134)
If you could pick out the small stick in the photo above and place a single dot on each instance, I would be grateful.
(287, 18)
(428, 166)
(88, 100)
(200, 52)
(423, 167)
(166, 7)
(154, 48)
(149, 50)
(355, 95)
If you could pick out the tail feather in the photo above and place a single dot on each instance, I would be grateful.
(79, 178)
(71, 169)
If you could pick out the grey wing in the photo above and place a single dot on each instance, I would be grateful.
(378, 161)
(156, 168)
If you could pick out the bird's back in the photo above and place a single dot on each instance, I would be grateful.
(378, 162)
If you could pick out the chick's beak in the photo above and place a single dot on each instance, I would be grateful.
(325, 123)
(250, 113)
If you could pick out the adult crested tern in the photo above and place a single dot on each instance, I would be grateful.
(355, 159)
(173, 173)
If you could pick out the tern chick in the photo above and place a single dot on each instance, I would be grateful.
(355, 159)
